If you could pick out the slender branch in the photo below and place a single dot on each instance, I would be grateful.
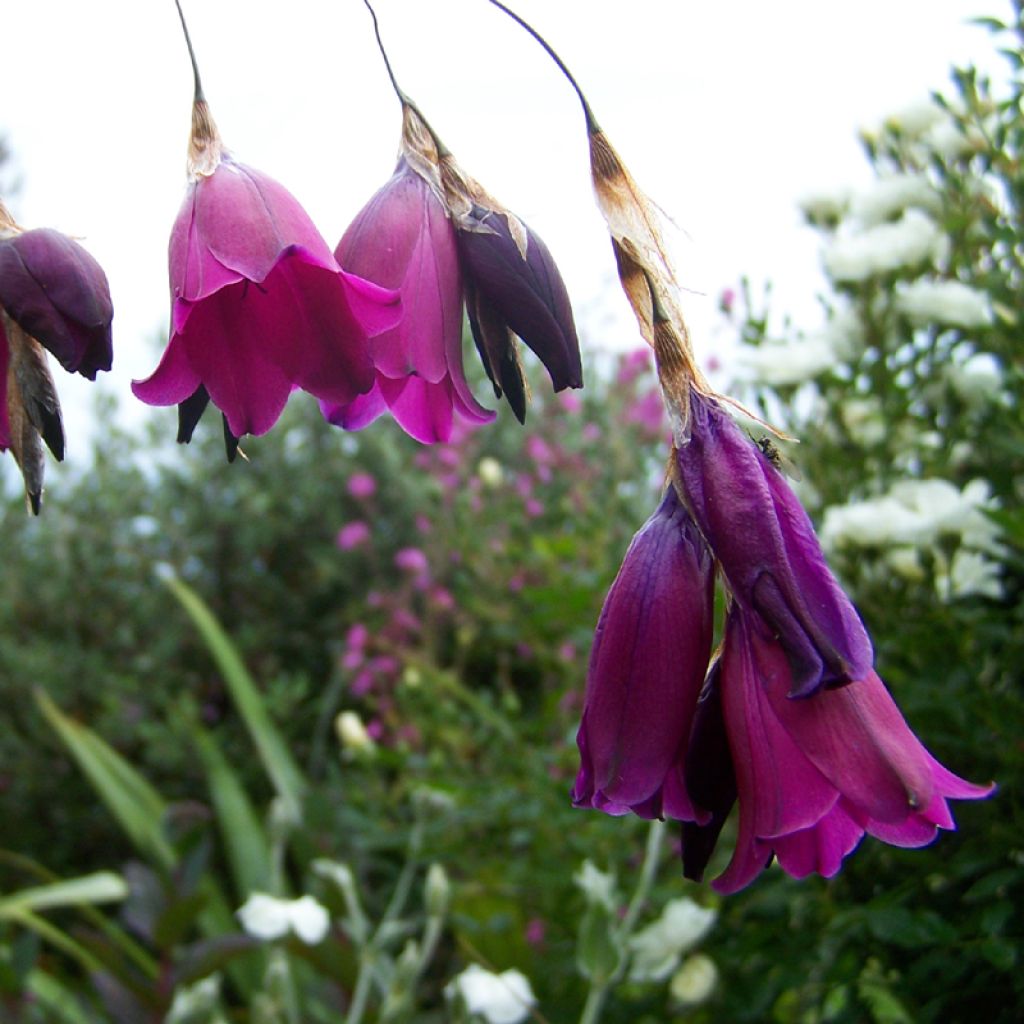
(191, 53)
(592, 125)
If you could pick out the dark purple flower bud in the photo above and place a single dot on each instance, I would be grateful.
(58, 294)
(649, 658)
(515, 283)
(768, 551)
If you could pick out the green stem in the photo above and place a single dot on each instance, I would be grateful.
(599, 990)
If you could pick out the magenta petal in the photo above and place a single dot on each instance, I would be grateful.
(374, 308)
(194, 271)
(422, 409)
(245, 219)
(173, 381)
(821, 848)
(650, 653)
(857, 738)
(780, 791)
(358, 413)
(227, 349)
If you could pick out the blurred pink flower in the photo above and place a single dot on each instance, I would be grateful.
(423, 524)
(591, 432)
(357, 636)
(648, 412)
(533, 508)
(363, 683)
(570, 403)
(353, 535)
(726, 300)
(567, 652)
(442, 598)
(632, 365)
(535, 931)
(362, 485)
(412, 560)
(539, 450)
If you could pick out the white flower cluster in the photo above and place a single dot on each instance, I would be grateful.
(920, 515)
(505, 998)
(658, 949)
(596, 885)
(945, 302)
(855, 253)
(933, 129)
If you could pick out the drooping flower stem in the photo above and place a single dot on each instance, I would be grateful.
(592, 125)
(191, 54)
(442, 149)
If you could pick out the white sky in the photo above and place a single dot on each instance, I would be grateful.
(725, 112)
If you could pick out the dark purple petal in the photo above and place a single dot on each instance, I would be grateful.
(497, 350)
(650, 653)
(710, 777)
(58, 294)
(527, 292)
(768, 550)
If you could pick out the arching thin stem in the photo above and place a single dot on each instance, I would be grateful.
(592, 125)
(191, 53)
(380, 46)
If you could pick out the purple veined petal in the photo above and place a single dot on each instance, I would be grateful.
(529, 294)
(650, 653)
(173, 381)
(374, 308)
(245, 219)
(780, 790)
(58, 294)
(821, 848)
(5, 358)
(194, 271)
(403, 239)
(768, 551)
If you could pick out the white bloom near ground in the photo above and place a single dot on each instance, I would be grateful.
(658, 948)
(912, 240)
(887, 197)
(825, 207)
(352, 733)
(970, 574)
(268, 917)
(945, 302)
(504, 998)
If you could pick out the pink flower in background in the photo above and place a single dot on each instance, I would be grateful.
(535, 931)
(259, 305)
(648, 413)
(412, 560)
(404, 239)
(362, 485)
(634, 364)
(353, 535)
(533, 508)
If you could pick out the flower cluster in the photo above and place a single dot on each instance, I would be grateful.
(53, 296)
(788, 718)
(261, 306)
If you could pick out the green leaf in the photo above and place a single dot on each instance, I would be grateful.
(137, 806)
(242, 833)
(598, 949)
(277, 760)
(59, 1002)
(101, 887)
